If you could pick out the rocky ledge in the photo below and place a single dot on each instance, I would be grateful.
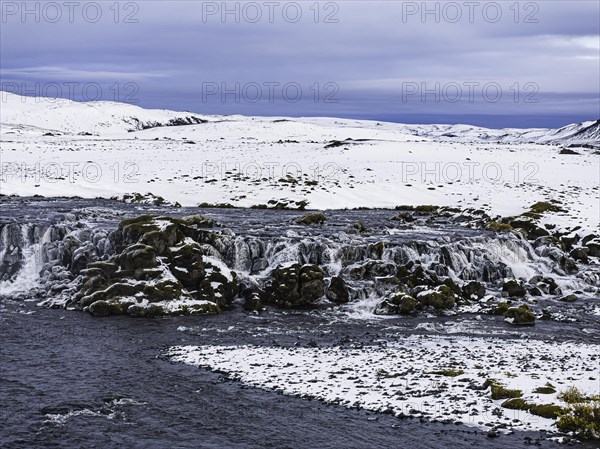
(160, 265)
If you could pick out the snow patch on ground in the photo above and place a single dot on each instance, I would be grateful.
(400, 377)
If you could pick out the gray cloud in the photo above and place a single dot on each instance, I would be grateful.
(370, 54)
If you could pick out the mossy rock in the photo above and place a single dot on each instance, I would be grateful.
(473, 290)
(199, 221)
(146, 274)
(158, 240)
(442, 298)
(337, 291)
(501, 308)
(516, 404)
(295, 286)
(151, 311)
(371, 269)
(105, 308)
(217, 288)
(547, 285)
(531, 230)
(360, 227)
(420, 277)
(132, 229)
(593, 248)
(283, 290)
(186, 264)
(139, 220)
(405, 217)
(376, 250)
(580, 254)
(453, 286)
(206, 205)
(91, 298)
(203, 309)
(123, 289)
(522, 315)
(514, 288)
(154, 310)
(252, 299)
(137, 256)
(163, 290)
(312, 283)
(315, 218)
(108, 269)
(397, 304)
(426, 209)
(136, 310)
(92, 284)
(550, 411)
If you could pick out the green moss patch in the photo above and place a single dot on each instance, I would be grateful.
(500, 392)
(543, 206)
(549, 411)
(583, 420)
(501, 308)
(546, 389)
(447, 372)
(498, 227)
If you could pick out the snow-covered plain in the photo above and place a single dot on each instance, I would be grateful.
(404, 377)
(331, 163)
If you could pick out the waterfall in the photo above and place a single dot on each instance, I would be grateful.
(52, 255)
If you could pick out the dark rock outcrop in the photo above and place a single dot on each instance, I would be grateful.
(295, 286)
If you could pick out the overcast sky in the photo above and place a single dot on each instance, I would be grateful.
(486, 63)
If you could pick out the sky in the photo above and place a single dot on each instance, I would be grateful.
(495, 64)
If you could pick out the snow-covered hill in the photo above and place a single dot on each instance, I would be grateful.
(574, 134)
(21, 114)
(57, 115)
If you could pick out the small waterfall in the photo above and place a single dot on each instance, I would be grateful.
(51, 256)
(20, 256)
(488, 259)
(27, 251)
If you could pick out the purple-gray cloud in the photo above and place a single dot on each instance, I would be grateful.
(543, 56)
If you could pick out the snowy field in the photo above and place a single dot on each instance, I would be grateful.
(414, 377)
(55, 148)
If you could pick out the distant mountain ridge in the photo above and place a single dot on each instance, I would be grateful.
(19, 114)
(578, 133)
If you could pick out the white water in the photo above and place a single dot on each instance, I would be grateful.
(28, 275)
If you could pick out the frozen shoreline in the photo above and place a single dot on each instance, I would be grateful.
(404, 378)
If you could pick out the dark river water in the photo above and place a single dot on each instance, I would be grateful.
(71, 380)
